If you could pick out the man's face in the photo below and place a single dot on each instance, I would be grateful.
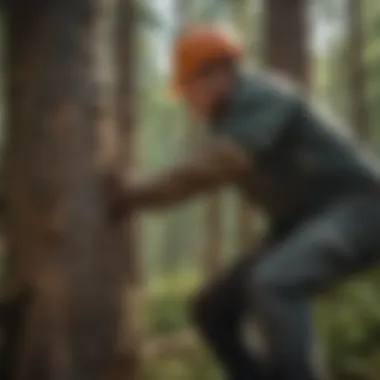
(206, 91)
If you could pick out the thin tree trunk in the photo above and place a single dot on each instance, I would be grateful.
(286, 38)
(130, 334)
(61, 243)
(359, 104)
(213, 259)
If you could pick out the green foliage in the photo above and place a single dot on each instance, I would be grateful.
(196, 364)
(168, 314)
(169, 297)
(348, 320)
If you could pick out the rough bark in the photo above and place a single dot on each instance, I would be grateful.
(62, 246)
(359, 104)
(126, 96)
(286, 38)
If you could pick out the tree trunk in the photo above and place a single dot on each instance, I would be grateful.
(62, 246)
(130, 335)
(245, 22)
(213, 253)
(286, 38)
(246, 233)
(359, 104)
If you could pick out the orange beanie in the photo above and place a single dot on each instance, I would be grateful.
(197, 45)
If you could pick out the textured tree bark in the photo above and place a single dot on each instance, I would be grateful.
(62, 247)
(359, 104)
(286, 38)
(126, 53)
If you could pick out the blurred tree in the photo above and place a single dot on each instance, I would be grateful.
(286, 35)
(147, 16)
(331, 79)
(359, 104)
(178, 237)
(126, 101)
(244, 20)
(330, 73)
(371, 26)
(213, 244)
(371, 15)
(62, 246)
(212, 10)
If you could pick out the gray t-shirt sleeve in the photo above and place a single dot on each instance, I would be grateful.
(258, 124)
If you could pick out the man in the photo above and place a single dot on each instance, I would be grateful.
(319, 190)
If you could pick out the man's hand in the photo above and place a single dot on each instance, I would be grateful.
(220, 162)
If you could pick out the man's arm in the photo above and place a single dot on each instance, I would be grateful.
(220, 162)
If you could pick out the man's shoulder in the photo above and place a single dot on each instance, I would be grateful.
(276, 82)
(261, 112)
(263, 88)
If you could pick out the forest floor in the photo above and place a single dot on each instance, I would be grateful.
(348, 320)
(179, 356)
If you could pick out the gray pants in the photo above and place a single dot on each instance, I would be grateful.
(277, 287)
